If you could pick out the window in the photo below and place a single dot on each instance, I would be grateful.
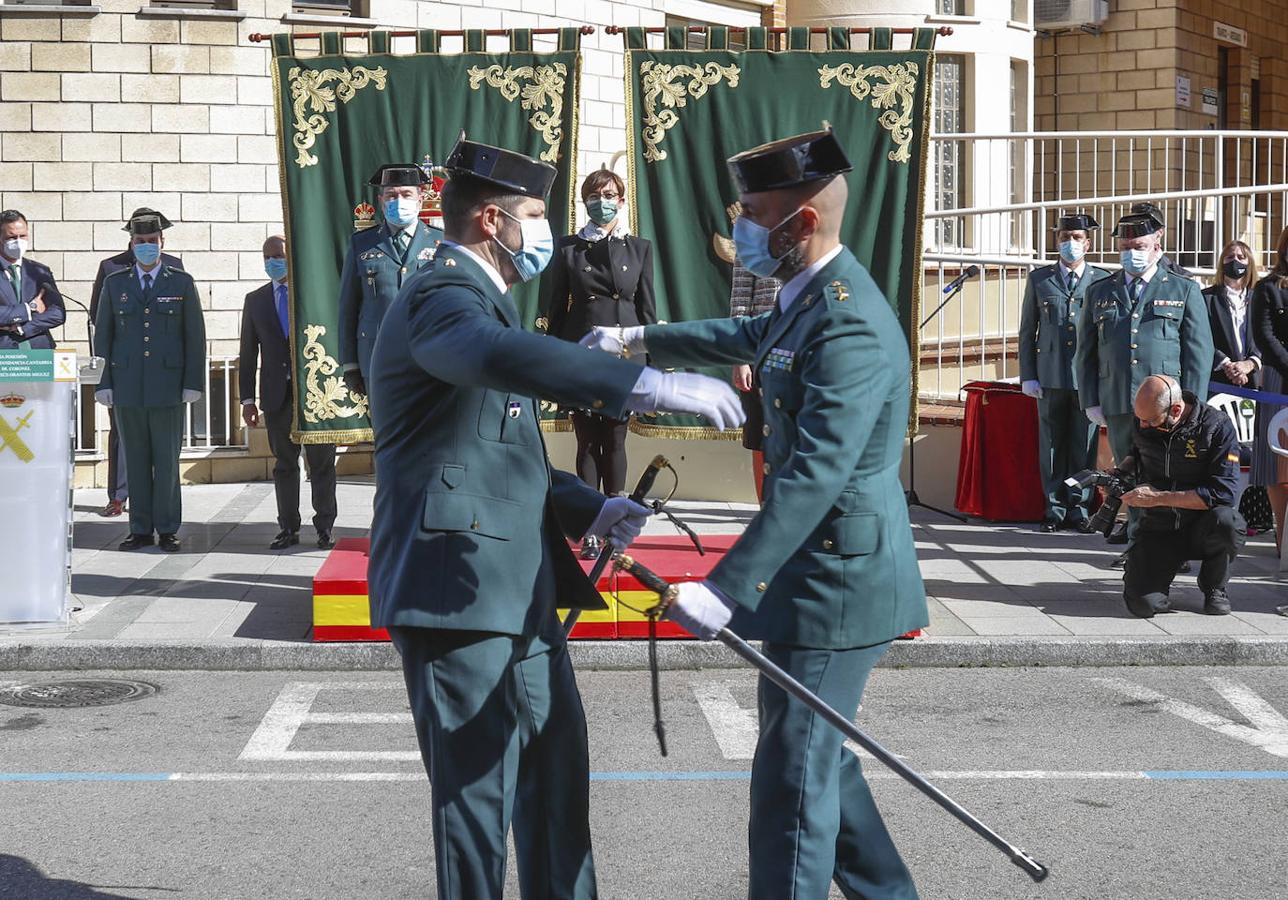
(949, 114)
(329, 7)
(195, 4)
(950, 7)
(1019, 10)
(698, 41)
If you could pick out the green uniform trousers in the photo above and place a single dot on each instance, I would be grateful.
(1119, 428)
(152, 437)
(503, 737)
(1066, 445)
(813, 820)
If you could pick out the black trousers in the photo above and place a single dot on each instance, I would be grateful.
(286, 474)
(1215, 537)
(601, 451)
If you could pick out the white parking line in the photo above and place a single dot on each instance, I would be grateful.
(271, 741)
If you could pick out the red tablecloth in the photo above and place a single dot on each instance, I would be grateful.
(997, 471)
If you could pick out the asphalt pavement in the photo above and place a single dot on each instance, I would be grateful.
(1132, 782)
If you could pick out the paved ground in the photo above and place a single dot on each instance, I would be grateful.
(985, 580)
(1150, 784)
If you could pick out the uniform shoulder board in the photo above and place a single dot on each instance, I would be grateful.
(837, 292)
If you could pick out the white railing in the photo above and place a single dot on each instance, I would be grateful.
(1211, 186)
(212, 423)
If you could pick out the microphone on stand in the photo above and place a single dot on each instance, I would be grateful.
(971, 272)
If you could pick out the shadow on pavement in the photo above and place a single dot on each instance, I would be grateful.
(20, 878)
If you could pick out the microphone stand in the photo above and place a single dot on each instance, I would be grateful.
(910, 495)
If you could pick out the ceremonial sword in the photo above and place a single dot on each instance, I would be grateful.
(667, 592)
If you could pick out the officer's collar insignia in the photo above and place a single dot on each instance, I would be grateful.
(838, 291)
(427, 253)
(1190, 451)
(780, 358)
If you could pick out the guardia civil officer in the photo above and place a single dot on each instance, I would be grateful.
(1143, 321)
(378, 262)
(469, 547)
(152, 337)
(118, 483)
(1053, 299)
(30, 303)
(825, 574)
(1151, 213)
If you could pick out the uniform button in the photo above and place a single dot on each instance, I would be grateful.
(403, 270)
(146, 339)
(827, 544)
(765, 431)
(1134, 330)
(147, 353)
(587, 269)
(474, 526)
(1133, 362)
(764, 467)
(592, 296)
(598, 404)
(1133, 346)
(623, 268)
(762, 587)
(778, 403)
(1068, 343)
(617, 296)
(147, 324)
(1135, 315)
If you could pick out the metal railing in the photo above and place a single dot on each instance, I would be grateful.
(1212, 187)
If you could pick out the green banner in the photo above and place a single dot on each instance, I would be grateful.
(689, 110)
(341, 116)
(27, 365)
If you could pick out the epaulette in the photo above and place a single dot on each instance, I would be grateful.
(837, 292)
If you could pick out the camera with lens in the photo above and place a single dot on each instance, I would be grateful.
(1116, 482)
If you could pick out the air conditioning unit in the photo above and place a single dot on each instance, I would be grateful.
(1055, 15)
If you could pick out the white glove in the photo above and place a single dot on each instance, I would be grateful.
(1095, 414)
(191, 396)
(104, 397)
(1032, 389)
(699, 610)
(688, 392)
(615, 339)
(620, 520)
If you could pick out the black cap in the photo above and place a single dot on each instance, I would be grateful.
(1144, 218)
(1079, 222)
(504, 168)
(146, 221)
(399, 175)
(790, 162)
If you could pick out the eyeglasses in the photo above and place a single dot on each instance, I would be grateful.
(603, 195)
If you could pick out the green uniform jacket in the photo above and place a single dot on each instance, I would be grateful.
(373, 274)
(470, 520)
(1119, 346)
(1049, 325)
(829, 561)
(155, 346)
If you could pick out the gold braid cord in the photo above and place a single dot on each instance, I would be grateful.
(310, 98)
(324, 390)
(662, 81)
(545, 88)
(896, 86)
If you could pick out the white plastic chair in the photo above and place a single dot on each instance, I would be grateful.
(1243, 416)
(1274, 435)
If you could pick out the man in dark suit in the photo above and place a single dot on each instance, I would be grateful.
(469, 550)
(30, 304)
(118, 485)
(265, 337)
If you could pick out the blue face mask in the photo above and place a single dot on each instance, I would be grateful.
(400, 211)
(1135, 261)
(535, 252)
(752, 244)
(147, 254)
(1072, 251)
(275, 266)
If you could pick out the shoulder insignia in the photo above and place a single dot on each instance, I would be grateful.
(449, 262)
(838, 291)
(427, 253)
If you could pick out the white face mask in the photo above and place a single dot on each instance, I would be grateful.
(15, 248)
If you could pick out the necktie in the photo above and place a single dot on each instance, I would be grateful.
(1073, 282)
(15, 276)
(282, 315)
(147, 283)
(401, 241)
(1133, 290)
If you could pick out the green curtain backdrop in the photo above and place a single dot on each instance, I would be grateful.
(689, 110)
(340, 116)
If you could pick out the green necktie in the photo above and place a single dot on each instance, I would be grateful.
(402, 240)
(1073, 282)
(15, 276)
(1135, 289)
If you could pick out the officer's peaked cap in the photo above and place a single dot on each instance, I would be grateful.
(503, 168)
(789, 162)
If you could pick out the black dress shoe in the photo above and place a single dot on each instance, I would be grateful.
(1049, 526)
(1082, 526)
(135, 541)
(169, 543)
(325, 541)
(285, 539)
(1118, 535)
(1216, 602)
(1120, 561)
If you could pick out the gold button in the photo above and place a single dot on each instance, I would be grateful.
(598, 404)
(1133, 362)
(765, 431)
(762, 587)
(1135, 315)
(778, 403)
(147, 353)
(764, 467)
(827, 544)
(1133, 346)
(146, 339)
(474, 526)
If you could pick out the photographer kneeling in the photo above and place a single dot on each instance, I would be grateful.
(1186, 459)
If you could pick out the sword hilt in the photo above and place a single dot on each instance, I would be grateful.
(651, 581)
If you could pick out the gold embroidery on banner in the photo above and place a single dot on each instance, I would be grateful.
(896, 86)
(662, 81)
(545, 88)
(310, 98)
(325, 390)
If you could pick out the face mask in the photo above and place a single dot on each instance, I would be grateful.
(752, 244)
(1135, 261)
(1072, 251)
(1234, 269)
(275, 266)
(401, 211)
(536, 249)
(14, 248)
(601, 211)
(147, 254)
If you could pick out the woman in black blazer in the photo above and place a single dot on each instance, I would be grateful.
(602, 276)
(1270, 330)
(1228, 301)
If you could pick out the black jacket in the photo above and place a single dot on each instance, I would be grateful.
(262, 337)
(1223, 334)
(115, 264)
(15, 310)
(1200, 454)
(1270, 323)
(604, 282)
